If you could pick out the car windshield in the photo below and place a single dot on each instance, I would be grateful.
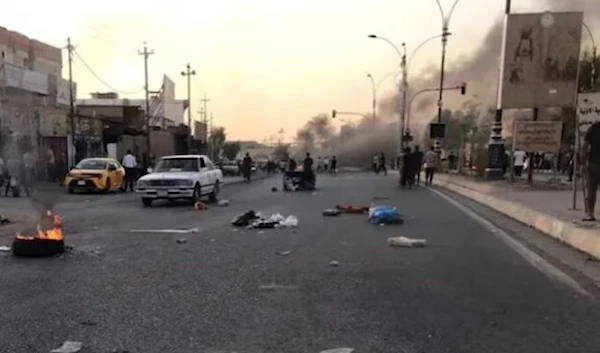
(91, 164)
(177, 165)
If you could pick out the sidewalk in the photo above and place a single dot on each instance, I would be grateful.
(543, 206)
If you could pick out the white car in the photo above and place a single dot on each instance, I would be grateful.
(180, 177)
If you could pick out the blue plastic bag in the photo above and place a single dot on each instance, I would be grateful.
(385, 215)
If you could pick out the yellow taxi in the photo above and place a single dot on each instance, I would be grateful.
(95, 174)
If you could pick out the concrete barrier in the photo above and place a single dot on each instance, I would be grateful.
(585, 240)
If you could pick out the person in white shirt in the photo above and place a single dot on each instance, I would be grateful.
(130, 165)
(519, 160)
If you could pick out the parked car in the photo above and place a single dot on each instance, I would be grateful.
(188, 177)
(95, 174)
(230, 168)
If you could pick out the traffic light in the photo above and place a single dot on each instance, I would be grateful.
(463, 88)
(333, 113)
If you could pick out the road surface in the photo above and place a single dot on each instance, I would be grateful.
(229, 291)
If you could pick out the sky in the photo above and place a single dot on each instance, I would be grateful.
(264, 65)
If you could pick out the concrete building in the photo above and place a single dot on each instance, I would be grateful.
(34, 98)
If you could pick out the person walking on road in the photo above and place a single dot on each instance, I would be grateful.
(130, 165)
(519, 160)
(309, 175)
(590, 154)
(431, 163)
(247, 167)
(381, 167)
(333, 168)
(417, 163)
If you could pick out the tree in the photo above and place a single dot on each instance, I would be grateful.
(216, 140)
(281, 152)
(231, 149)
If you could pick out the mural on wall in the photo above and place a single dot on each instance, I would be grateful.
(540, 60)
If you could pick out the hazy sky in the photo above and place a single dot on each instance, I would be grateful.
(264, 64)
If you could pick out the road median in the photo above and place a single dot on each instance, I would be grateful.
(584, 239)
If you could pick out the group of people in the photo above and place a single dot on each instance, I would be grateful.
(412, 163)
(325, 165)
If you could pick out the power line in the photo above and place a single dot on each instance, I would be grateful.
(100, 79)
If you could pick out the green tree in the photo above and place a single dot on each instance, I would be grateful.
(231, 149)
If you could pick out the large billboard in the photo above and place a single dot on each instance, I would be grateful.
(541, 60)
(588, 110)
(537, 136)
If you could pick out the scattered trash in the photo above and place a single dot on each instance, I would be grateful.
(200, 206)
(331, 212)
(333, 263)
(353, 209)
(181, 241)
(274, 189)
(4, 220)
(407, 242)
(68, 347)
(175, 231)
(339, 350)
(4, 248)
(223, 203)
(263, 224)
(289, 222)
(245, 219)
(283, 253)
(385, 215)
(276, 217)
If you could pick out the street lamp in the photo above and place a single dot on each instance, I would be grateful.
(403, 87)
(189, 73)
(444, 35)
(374, 91)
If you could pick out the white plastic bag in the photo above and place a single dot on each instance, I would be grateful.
(289, 222)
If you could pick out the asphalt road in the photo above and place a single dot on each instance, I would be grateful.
(119, 291)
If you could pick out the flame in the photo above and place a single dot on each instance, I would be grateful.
(55, 231)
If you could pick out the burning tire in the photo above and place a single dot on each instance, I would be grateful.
(37, 247)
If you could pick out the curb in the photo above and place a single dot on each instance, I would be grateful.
(585, 240)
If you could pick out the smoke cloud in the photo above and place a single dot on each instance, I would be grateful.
(356, 144)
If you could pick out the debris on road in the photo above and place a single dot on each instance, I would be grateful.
(334, 263)
(244, 219)
(289, 222)
(4, 220)
(68, 347)
(4, 248)
(331, 212)
(223, 203)
(353, 209)
(174, 231)
(181, 241)
(283, 253)
(385, 215)
(274, 189)
(406, 242)
(339, 350)
(200, 206)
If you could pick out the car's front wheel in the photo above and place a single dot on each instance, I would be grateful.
(197, 193)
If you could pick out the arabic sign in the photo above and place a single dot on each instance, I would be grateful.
(540, 63)
(537, 136)
(588, 110)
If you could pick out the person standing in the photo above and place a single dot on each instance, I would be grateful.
(247, 167)
(405, 173)
(28, 172)
(431, 163)
(417, 163)
(382, 167)
(333, 168)
(376, 164)
(309, 175)
(590, 155)
(50, 165)
(519, 160)
(326, 164)
(130, 165)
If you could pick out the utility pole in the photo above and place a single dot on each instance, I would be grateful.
(189, 73)
(71, 103)
(404, 92)
(204, 100)
(146, 54)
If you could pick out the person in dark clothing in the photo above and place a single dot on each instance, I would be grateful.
(291, 166)
(247, 167)
(381, 167)
(417, 163)
(333, 169)
(590, 155)
(309, 175)
(451, 161)
(407, 169)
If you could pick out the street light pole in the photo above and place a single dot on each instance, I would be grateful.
(403, 64)
(374, 91)
(445, 34)
(594, 54)
(189, 73)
